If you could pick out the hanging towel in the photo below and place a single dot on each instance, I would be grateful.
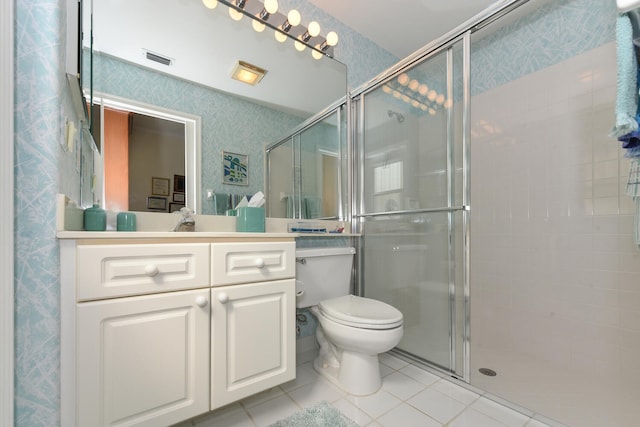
(627, 90)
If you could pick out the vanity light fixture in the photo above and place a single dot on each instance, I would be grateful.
(416, 94)
(293, 20)
(248, 73)
(313, 30)
(266, 14)
(236, 15)
(270, 6)
(210, 4)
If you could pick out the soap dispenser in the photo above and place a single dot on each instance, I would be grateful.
(95, 218)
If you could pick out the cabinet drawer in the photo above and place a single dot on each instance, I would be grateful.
(252, 262)
(106, 271)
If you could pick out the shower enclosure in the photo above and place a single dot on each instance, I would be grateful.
(412, 196)
(492, 208)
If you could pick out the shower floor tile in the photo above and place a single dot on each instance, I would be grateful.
(410, 396)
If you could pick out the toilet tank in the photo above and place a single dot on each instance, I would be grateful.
(322, 273)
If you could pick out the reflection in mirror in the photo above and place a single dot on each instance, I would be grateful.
(143, 143)
(315, 187)
(235, 117)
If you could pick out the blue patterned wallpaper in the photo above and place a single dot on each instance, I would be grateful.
(556, 31)
(41, 90)
(42, 168)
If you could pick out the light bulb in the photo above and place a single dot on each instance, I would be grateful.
(271, 6)
(397, 94)
(294, 17)
(440, 99)
(432, 111)
(413, 85)
(423, 89)
(415, 103)
(299, 46)
(406, 99)
(332, 38)
(234, 14)
(281, 37)
(211, 4)
(431, 96)
(403, 79)
(386, 89)
(313, 28)
(257, 25)
(316, 54)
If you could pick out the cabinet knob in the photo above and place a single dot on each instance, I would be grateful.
(223, 297)
(201, 301)
(260, 262)
(151, 270)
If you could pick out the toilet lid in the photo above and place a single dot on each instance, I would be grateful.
(361, 312)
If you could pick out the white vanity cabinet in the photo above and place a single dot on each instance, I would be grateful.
(143, 361)
(156, 332)
(252, 324)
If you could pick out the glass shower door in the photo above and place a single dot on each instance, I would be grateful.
(410, 210)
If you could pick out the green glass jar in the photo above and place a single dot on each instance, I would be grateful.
(95, 218)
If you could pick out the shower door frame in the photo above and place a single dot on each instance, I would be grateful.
(461, 34)
(359, 214)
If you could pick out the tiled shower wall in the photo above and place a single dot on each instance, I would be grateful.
(555, 273)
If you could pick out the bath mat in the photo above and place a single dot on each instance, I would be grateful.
(319, 415)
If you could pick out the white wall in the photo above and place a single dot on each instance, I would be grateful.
(555, 275)
(153, 154)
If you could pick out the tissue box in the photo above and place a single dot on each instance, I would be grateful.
(250, 219)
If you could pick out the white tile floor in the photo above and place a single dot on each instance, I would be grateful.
(410, 396)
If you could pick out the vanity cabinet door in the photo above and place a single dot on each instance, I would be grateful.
(144, 360)
(253, 339)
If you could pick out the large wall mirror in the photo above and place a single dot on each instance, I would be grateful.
(316, 188)
(177, 57)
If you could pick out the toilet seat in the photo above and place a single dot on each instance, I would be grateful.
(359, 312)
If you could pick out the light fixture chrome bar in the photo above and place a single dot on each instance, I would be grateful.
(278, 22)
(264, 15)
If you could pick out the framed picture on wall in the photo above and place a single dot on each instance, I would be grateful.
(160, 186)
(178, 197)
(178, 183)
(236, 168)
(157, 203)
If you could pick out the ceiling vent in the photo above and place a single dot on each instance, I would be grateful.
(158, 58)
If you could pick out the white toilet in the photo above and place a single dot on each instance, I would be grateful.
(353, 330)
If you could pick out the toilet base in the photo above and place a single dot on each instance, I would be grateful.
(357, 373)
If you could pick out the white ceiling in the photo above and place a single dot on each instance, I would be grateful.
(402, 26)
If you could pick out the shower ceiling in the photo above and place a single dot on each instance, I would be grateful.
(402, 26)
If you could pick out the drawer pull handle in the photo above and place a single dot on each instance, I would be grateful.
(201, 301)
(151, 270)
(223, 298)
(260, 263)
